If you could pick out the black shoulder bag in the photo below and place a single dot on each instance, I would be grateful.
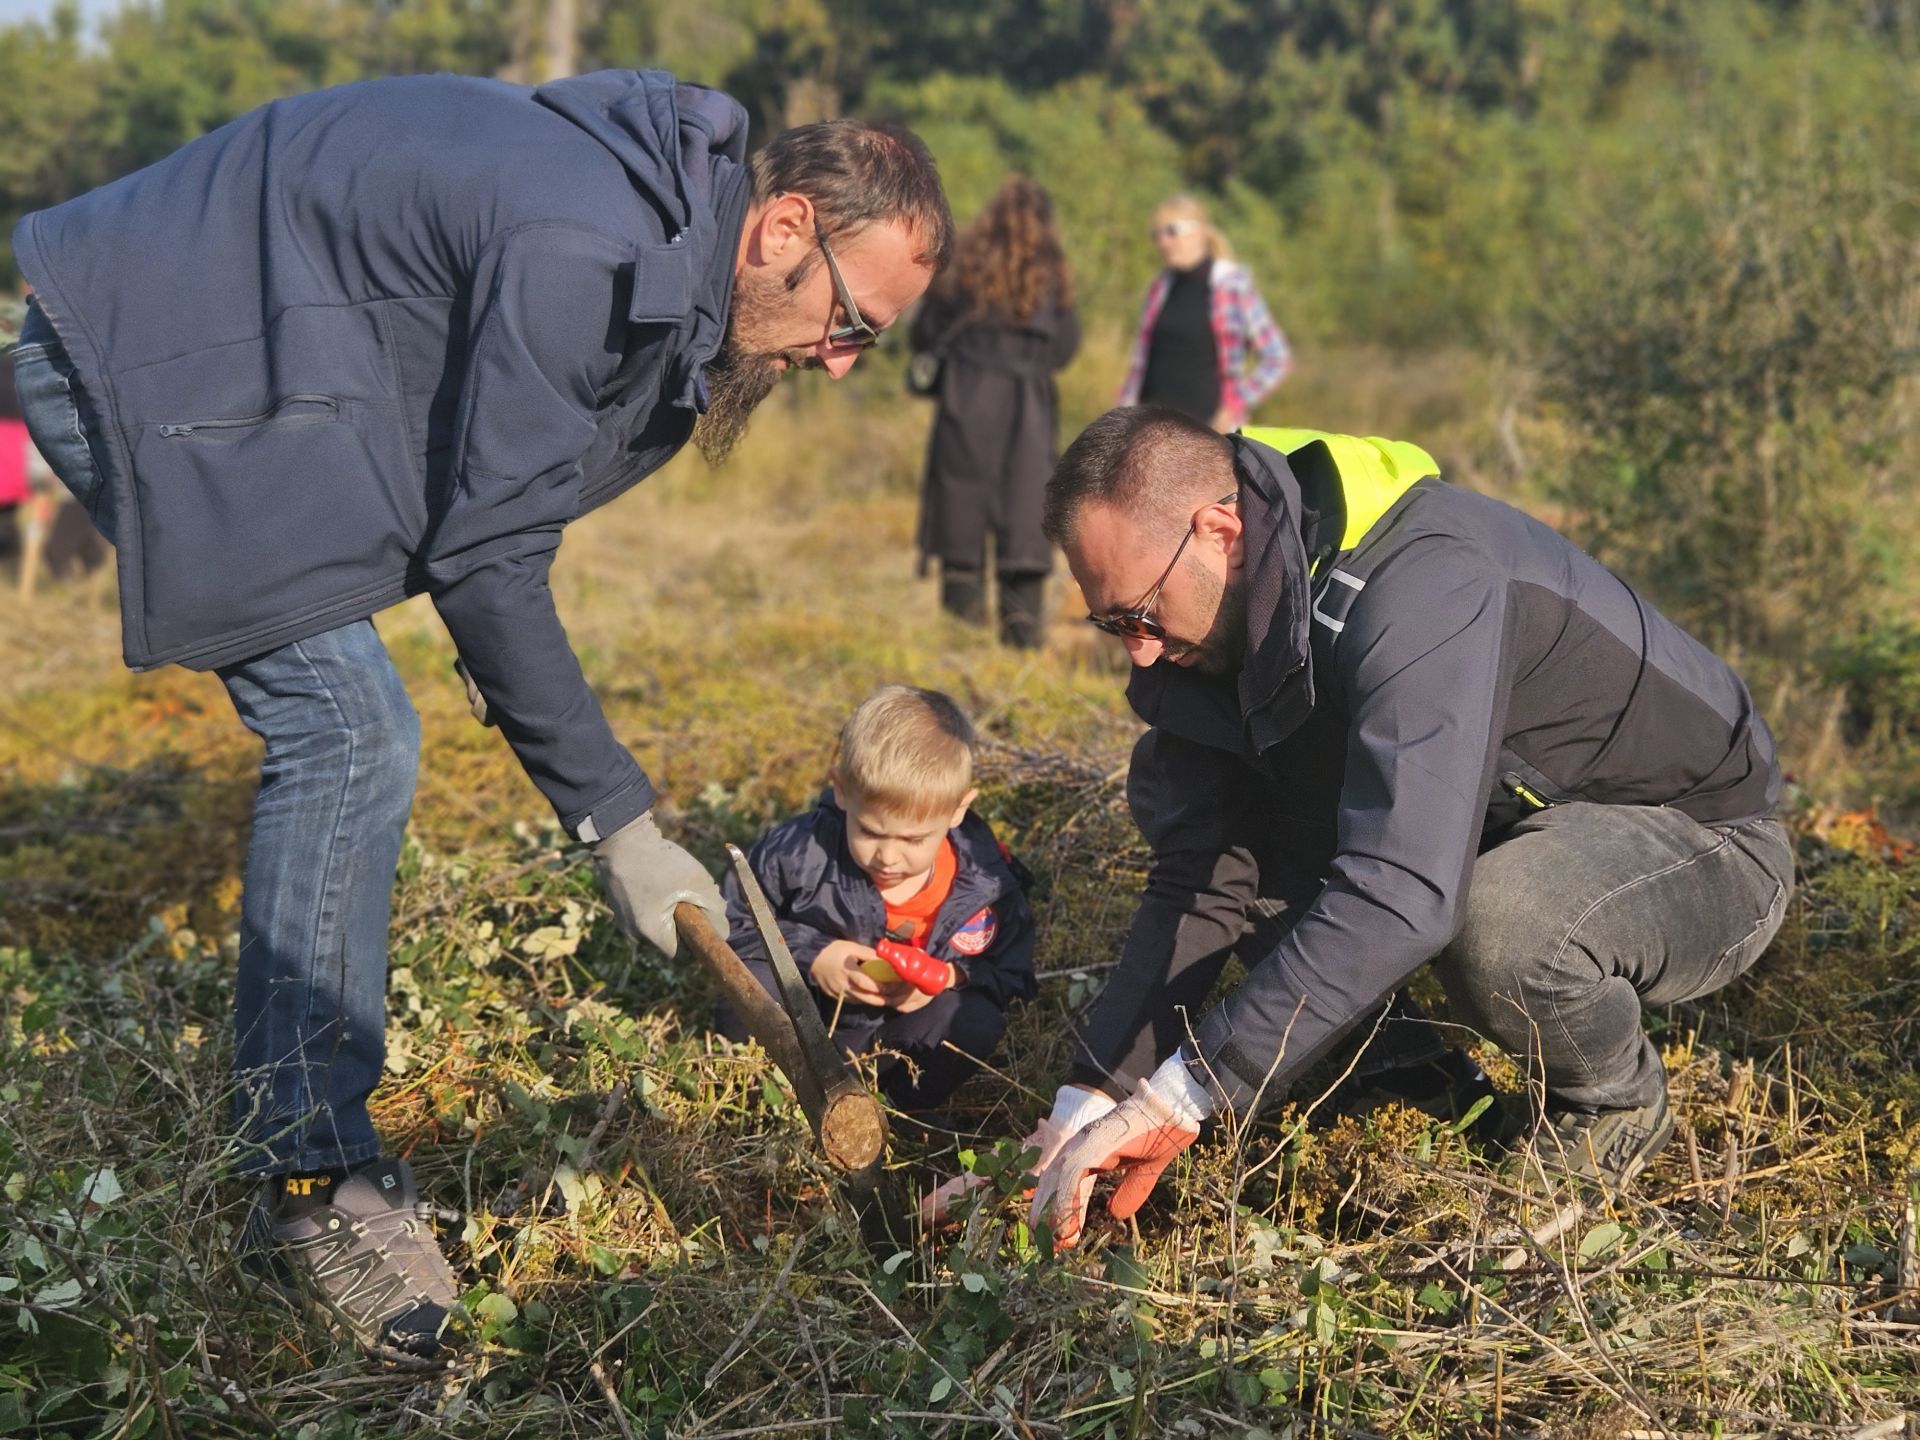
(925, 366)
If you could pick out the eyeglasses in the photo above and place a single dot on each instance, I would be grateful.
(1174, 227)
(1136, 622)
(856, 334)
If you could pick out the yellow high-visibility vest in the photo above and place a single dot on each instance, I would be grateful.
(1373, 472)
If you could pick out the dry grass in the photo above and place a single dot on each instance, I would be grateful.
(688, 1273)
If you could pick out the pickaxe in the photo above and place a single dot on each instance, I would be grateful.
(847, 1120)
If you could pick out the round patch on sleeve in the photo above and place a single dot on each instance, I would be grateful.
(977, 934)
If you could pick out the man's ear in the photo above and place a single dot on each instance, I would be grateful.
(1219, 526)
(779, 233)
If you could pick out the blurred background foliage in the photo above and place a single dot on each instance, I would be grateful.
(1672, 248)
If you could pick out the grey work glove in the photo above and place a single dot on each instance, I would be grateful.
(645, 875)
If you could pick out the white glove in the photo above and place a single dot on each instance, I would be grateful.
(645, 875)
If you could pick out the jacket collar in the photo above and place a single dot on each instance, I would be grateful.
(1280, 527)
(684, 150)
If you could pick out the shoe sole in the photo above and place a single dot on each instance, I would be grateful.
(1656, 1142)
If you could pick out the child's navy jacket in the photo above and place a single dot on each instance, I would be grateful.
(820, 895)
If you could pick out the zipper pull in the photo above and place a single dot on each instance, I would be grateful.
(176, 429)
(1518, 788)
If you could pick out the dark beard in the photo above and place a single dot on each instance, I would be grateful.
(743, 373)
(1222, 650)
(736, 382)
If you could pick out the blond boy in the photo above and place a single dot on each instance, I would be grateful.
(907, 917)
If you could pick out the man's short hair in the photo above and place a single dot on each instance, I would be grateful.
(1146, 461)
(859, 173)
(907, 750)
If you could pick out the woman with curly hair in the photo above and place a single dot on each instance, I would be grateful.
(1206, 344)
(1000, 321)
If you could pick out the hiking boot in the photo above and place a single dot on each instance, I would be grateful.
(1594, 1151)
(963, 593)
(1021, 601)
(369, 1256)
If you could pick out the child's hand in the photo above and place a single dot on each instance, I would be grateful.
(836, 970)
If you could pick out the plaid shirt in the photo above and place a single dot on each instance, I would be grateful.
(1241, 325)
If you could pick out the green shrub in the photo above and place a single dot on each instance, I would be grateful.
(1878, 668)
(1727, 339)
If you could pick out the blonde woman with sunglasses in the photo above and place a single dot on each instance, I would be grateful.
(1207, 346)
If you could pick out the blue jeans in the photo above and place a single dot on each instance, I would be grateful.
(59, 418)
(343, 751)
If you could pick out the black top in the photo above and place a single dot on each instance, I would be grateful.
(1183, 362)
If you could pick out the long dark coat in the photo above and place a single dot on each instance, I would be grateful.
(994, 439)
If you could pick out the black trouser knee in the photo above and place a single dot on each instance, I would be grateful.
(940, 1046)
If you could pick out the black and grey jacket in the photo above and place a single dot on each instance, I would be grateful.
(1402, 702)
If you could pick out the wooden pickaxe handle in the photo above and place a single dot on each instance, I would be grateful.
(846, 1119)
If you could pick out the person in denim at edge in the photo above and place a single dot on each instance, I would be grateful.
(390, 338)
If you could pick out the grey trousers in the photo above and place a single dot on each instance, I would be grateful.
(1584, 913)
(1579, 916)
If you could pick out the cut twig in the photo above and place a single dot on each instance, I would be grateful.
(599, 1374)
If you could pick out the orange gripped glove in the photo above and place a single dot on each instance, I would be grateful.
(1136, 1140)
(915, 966)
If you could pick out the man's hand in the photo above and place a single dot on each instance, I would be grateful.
(645, 875)
(1074, 1108)
(1136, 1140)
(837, 971)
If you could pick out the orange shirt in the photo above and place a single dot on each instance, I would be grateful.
(911, 921)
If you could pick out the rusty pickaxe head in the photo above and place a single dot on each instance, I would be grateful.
(850, 1124)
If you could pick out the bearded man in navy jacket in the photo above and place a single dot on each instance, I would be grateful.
(387, 339)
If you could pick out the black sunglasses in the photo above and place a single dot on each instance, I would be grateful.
(1136, 622)
(856, 334)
